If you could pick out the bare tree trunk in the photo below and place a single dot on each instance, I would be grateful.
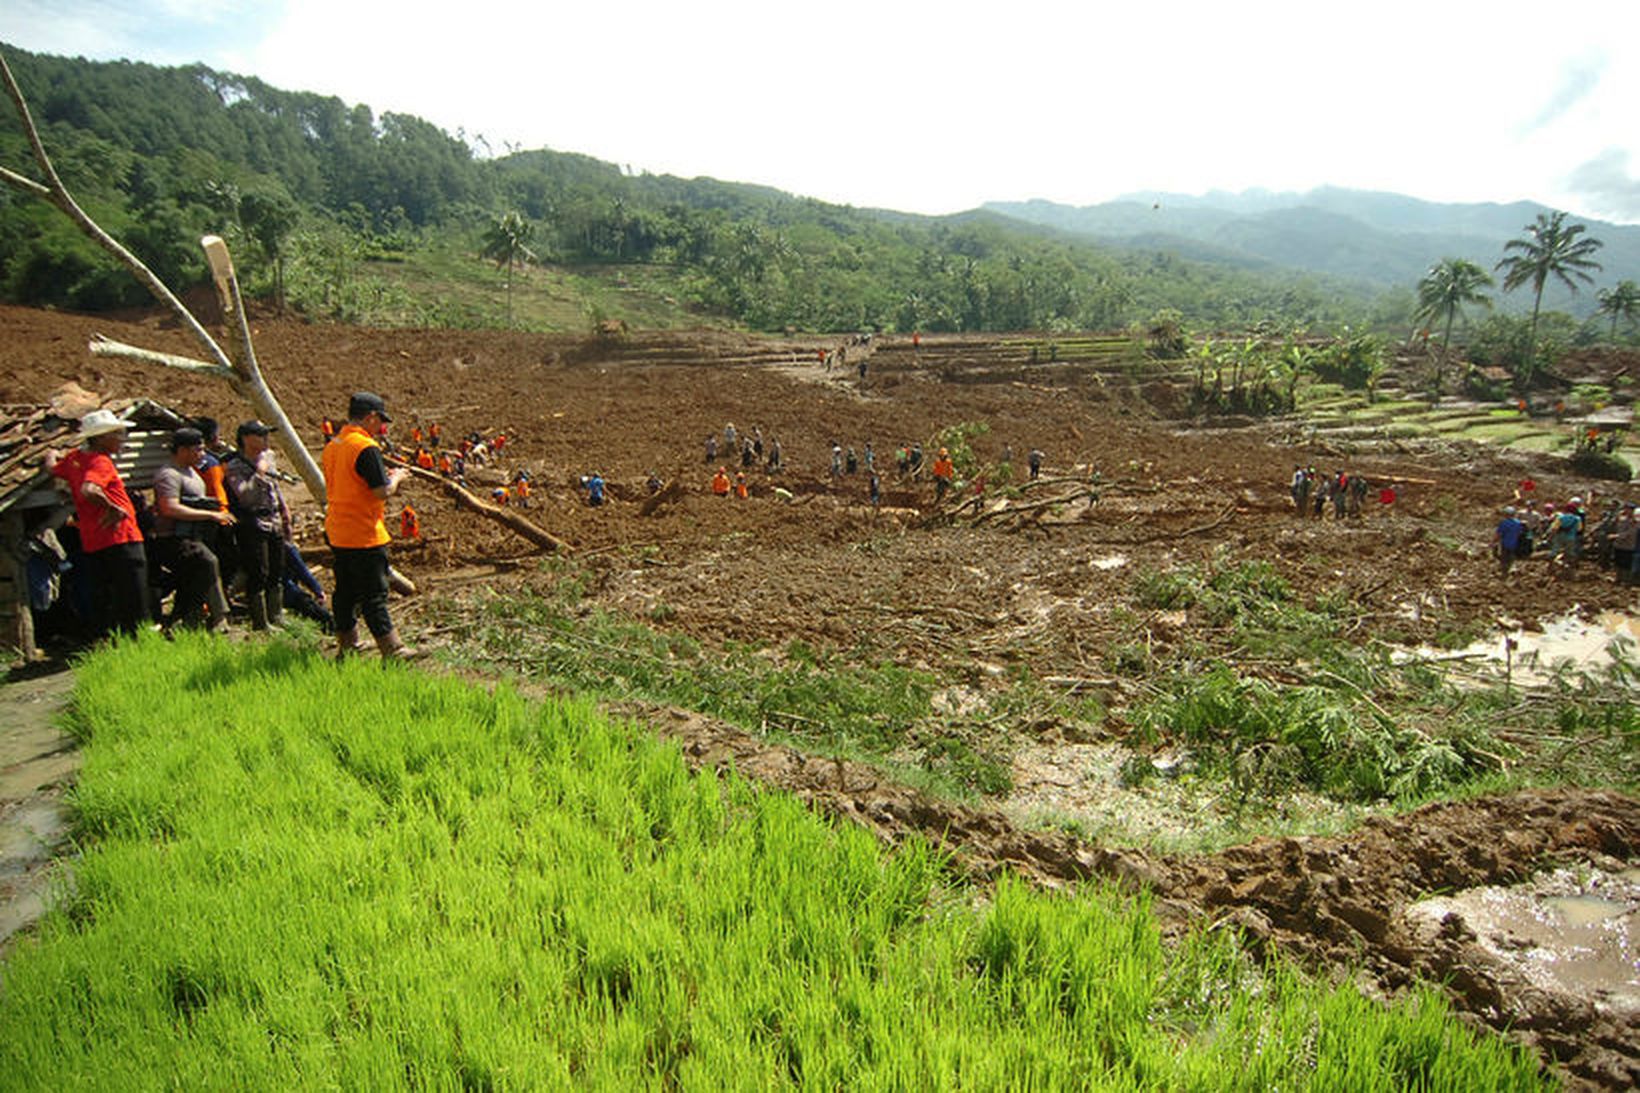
(242, 373)
(506, 517)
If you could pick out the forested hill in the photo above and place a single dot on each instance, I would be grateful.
(384, 218)
(1383, 238)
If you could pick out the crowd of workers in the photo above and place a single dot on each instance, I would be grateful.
(1567, 535)
(219, 522)
(219, 525)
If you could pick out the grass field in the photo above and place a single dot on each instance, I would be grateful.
(297, 875)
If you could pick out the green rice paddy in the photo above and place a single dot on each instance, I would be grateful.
(297, 874)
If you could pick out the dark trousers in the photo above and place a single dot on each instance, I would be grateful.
(120, 577)
(193, 568)
(262, 556)
(361, 589)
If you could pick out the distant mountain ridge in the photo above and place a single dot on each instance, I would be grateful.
(1387, 239)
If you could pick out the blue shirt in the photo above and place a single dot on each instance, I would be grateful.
(1509, 533)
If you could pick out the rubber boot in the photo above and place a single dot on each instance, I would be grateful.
(347, 643)
(393, 648)
(276, 607)
(259, 612)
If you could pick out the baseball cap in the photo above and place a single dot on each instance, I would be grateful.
(367, 402)
(254, 428)
(186, 437)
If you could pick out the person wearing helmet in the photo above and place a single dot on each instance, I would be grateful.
(720, 482)
(1507, 540)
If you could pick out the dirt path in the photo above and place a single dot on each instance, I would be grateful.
(38, 762)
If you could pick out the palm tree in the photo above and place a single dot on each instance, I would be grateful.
(1446, 288)
(506, 243)
(1552, 247)
(1622, 302)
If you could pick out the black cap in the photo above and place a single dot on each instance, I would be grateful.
(186, 437)
(254, 428)
(366, 402)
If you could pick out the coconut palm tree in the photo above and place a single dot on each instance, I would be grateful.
(1445, 289)
(1622, 302)
(1550, 248)
(506, 243)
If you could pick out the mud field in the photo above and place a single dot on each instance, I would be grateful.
(971, 600)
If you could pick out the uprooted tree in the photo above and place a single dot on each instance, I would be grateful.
(239, 368)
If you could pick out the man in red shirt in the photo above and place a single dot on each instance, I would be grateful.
(107, 521)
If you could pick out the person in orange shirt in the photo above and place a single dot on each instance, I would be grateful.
(409, 522)
(720, 482)
(943, 473)
(327, 429)
(740, 485)
(435, 432)
(415, 435)
(445, 467)
(500, 495)
(358, 484)
(523, 488)
(424, 459)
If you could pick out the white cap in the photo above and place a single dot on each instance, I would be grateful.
(99, 422)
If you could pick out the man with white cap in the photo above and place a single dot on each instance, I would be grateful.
(107, 521)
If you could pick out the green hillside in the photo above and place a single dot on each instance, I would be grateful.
(382, 219)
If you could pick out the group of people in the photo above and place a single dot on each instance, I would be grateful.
(1314, 492)
(1565, 534)
(749, 448)
(219, 520)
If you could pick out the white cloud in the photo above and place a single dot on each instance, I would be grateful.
(936, 107)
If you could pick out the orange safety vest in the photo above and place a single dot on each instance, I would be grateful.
(523, 488)
(215, 477)
(424, 459)
(444, 464)
(409, 524)
(943, 468)
(354, 516)
(740, 489)
(720, 484)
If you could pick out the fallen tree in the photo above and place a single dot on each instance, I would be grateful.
(507, 518)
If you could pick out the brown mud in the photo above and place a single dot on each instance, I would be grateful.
(1051, 590)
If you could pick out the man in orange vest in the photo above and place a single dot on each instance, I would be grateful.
(424, 459)
(720, 482)
(358, 485)
(740, 485)
(409, 522)
(943, 473)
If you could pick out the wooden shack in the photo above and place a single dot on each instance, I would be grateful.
(30, 498)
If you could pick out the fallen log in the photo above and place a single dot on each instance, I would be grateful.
(507, 518)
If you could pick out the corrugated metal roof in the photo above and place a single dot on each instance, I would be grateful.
(27, 432)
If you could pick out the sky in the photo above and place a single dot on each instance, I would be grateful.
(937, 107)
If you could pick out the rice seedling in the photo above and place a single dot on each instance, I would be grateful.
(297, 874)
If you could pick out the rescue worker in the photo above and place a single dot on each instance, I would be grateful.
(424, 459)
(409, 522)
(182, 511)
(720, 482)
(358, 484)
(595, 489)
(523, 488)
(264, 523)
(740, 485)
(1034, 458)
(1507, 539)
(943, 473)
